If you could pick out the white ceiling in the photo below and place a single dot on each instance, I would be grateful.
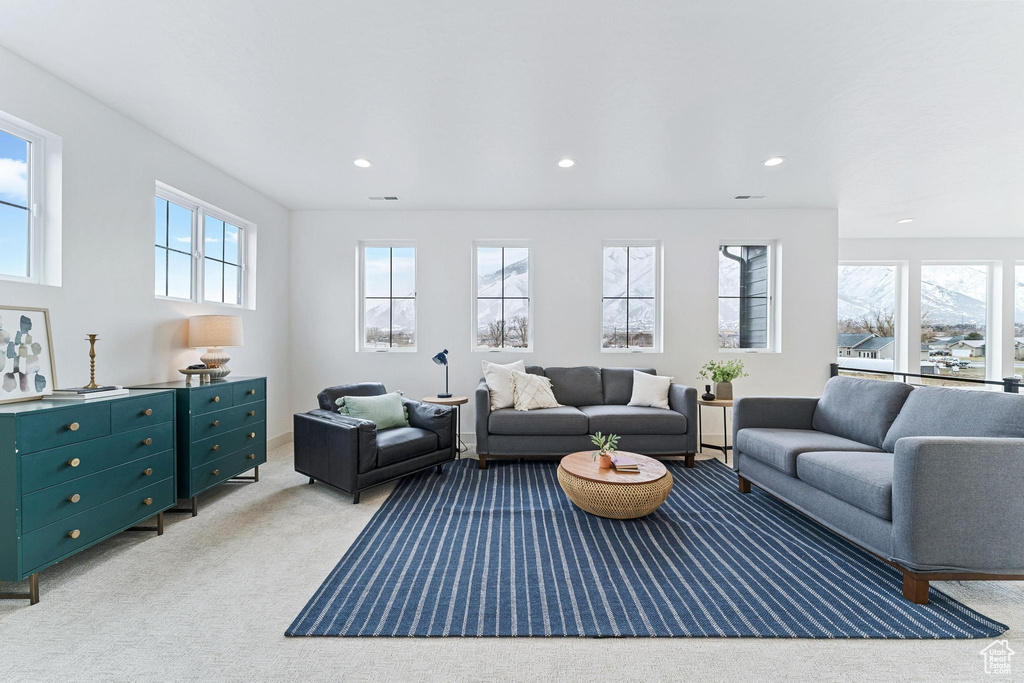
(884, 109)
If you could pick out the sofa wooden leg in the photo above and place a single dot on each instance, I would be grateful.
(355, 497)
(915, 589)
(689, 460)
(482, 464)
(744, 485)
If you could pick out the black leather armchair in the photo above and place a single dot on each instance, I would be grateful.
(353, 455)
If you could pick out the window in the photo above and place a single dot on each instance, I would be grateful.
(631, 297)
(29, 203)
(745, 304)
(502, 306)
(189, 234)
(388, 297)
(867, 313)
(954, 318)
(1018, 321)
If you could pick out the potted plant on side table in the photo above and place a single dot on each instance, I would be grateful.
(722, 373)
(606, 446)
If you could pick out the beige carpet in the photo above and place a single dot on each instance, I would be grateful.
(211, 598)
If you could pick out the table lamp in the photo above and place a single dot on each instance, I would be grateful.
(214, 332)
(442, 359)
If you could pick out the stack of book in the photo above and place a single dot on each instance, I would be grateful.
(83, 394)
(624, 463)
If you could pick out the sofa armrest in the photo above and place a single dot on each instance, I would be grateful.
(334, 448)
(433, 418)
(683, 400)
(482, 404)
(957, 504)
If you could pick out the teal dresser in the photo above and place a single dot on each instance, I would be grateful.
(74, 474)
(222, 433)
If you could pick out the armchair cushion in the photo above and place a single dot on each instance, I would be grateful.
(433, 418)
(384, 410)
(780, 447)
(617, 419)
(401, 443)
(861, 479)
(860, 409)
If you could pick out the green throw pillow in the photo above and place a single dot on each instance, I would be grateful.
(386, 410)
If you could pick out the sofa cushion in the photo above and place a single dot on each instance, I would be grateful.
(564, 420)
(940, 411)
(859, 409)
(579, 386)
(861, 479)
(401, 443)
(618, 384)
(634, 420)
(779, 447)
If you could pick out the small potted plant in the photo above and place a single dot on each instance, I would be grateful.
(606, 446)
(722, 373)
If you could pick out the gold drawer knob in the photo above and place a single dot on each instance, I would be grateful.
(74, 426)
(252, 456)
(147, 412)
(147, 442)
(215, 447)
(74, 462)
(148, 471)
(216, 423)
(148, 501)
(74, 498)
(216, 472)
(216, 399)
(75, 533)
(252, 391)
(252, 413)
(252, 435)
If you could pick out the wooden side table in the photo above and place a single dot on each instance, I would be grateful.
(457, 402)
(724, 404)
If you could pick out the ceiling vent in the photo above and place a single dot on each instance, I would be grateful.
(384, 199)
(751, 196)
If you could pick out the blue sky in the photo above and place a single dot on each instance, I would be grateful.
(13, 188)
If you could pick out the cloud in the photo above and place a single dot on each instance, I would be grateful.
(13, 180)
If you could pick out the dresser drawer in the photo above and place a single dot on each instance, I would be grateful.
(71, 498)
(208, 399)
(218, 446)
(222, 421)
(62, 426)
(222, 469)
(132, 413)
(249, 391)
(58, 465)
(54, 541)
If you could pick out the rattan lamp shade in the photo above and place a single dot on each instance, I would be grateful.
(205, 331)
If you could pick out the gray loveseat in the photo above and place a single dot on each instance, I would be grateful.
(929, 479)
(594, 400)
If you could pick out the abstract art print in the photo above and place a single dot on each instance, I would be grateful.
(27, 348)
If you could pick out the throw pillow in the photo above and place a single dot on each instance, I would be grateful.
(650, 390)
(385, 410)
(499, 382)
(531, 392)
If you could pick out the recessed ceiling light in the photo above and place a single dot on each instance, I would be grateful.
(773, 161)
(905, 220)
(566, 163)
(363, 163)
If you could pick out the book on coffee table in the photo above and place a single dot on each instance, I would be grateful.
(624, 463)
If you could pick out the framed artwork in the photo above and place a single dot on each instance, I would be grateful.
(26, 346)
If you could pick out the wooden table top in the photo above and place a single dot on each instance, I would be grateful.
(718, 402)
(453, 401)
(583, 465)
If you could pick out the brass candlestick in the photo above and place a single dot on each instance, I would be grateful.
(92, 362)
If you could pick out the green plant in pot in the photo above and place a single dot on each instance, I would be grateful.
(722, 373)
(606, 447)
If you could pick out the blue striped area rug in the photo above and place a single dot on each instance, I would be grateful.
(503, 552)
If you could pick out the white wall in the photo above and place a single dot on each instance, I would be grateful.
(566, 262)
(111, 165)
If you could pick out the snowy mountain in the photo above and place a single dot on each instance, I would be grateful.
(639, 275)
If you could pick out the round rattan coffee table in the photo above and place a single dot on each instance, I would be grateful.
(616, 495)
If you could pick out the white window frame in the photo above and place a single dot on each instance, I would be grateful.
(902, 338)
(474, 308)
(774, 308)
(361, 248)
(42, 200)
(246, 248)
(993, 366)
(659, 309)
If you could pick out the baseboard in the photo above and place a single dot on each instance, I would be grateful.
(279, 440)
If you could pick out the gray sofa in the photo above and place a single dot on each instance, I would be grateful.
(594, 400)
(929, 479)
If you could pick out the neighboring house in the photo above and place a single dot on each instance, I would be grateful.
(860, 345)
(968, 348)
(1018, 348)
